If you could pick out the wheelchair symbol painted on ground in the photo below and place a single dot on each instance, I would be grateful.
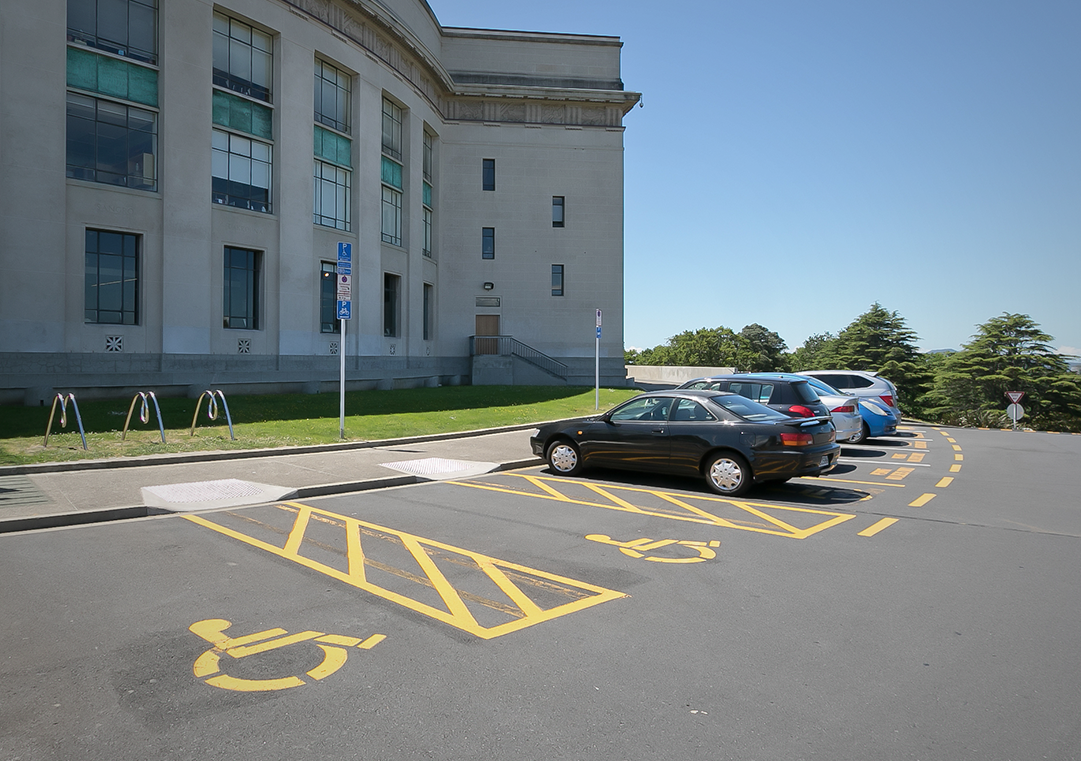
(637, 548)
(335, 649)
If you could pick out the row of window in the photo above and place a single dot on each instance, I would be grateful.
(112, 117)
(112, 282)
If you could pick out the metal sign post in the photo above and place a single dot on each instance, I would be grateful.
(597, 366)
(1015, 411)
(344, 275)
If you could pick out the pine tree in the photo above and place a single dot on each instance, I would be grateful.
(1009, 353)
(878, 341)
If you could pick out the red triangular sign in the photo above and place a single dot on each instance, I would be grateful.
(1015, 396)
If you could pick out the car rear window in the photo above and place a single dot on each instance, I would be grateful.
(804, 391)
(758, 392)
(747, 409)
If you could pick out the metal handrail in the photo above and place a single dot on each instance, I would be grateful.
(212, 410)
(63, 400)
(508, 345)
(144, 413)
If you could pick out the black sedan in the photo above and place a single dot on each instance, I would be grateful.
(732, 441)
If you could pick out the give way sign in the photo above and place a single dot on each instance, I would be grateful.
(1015, 396)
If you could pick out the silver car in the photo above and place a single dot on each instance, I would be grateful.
(860, 383)
(844, 409)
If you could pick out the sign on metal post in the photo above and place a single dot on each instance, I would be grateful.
(345, 313)
(597, 367)
(1015, 396)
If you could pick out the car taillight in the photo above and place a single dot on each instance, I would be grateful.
(844, 408)
(797, 439)
(799, 409)
(888, 399)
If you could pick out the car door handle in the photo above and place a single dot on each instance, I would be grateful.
(658, 430)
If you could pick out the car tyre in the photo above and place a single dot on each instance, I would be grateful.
(729, 474)
(564, 458)
(860, 437)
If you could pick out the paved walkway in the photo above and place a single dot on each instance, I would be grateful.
(57, 494)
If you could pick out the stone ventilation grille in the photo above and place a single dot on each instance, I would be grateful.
(334, 348)
(114, 343)
(243, 346)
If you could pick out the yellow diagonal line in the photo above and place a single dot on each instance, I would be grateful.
(621, 502)
(296, 536)
(541, 485)
(686, 506)
(454, 602)
(354, 551)
(510, 589)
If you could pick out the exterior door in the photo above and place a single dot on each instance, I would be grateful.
(487, 325)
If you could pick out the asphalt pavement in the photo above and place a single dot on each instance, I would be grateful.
(70, 493)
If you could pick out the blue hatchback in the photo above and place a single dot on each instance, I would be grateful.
(878, 420)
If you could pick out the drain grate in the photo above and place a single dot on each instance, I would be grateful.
(436, 468)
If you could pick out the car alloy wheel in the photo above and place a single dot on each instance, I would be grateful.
(563, 458)
(728, 474)
(861, 436)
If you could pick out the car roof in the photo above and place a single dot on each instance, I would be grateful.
(790, 377)
(703, 393)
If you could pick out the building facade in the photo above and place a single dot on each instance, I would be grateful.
(176, 177)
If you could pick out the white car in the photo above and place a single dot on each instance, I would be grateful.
(860, 383)
(844, 409)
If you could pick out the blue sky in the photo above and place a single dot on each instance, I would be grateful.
(797, 160)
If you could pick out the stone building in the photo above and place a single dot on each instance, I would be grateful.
(176, 177)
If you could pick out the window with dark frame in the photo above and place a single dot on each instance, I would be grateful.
(429, 306)
(557, 279)
(243, 58)
(392, 173)
(391, 298)
(557, 211)
(124, 27)
(328, 299)
(487, 245)
(111, 278)
(488, 172)
(111, 143)
(240, 292)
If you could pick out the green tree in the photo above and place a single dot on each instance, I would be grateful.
(768, 349)
(810, 355)
(1009, 353)
(878, 341)
(710, 347)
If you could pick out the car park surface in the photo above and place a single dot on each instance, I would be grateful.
(919, 601)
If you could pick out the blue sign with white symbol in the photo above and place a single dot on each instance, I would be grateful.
(598, 331)
(345, 310)
(345, 258)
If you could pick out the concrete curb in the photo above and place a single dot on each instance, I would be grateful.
(177, 458)
(86, 517)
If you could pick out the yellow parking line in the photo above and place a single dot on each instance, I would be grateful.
(921, 500)
(920, 445)
(849, 481)
(955, 468)
(916, 457)
(874, 529)
(899, 474)
(951, 440)
(958, 457)
(946, 481)
(956, 448)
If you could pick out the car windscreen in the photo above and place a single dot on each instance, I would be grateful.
(747, 409)
(805, 392)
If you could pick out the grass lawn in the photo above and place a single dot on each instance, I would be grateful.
(287, 420)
